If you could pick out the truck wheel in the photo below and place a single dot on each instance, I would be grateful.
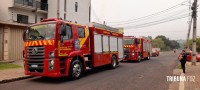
(76, 69)
(139, 58)
(148, 57)
(113, 62)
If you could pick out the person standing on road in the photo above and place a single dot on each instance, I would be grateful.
(182, 57)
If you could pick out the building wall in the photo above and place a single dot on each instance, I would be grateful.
(1, 42)
(11, 36)
(9, 12)
(16, 43)
(52, 9)
(31, 15)
(4, 16)
(81, 16)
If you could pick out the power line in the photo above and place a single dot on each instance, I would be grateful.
(166, 10)
(157, 32)
(151, 18)
(137, 21)
(157, 22)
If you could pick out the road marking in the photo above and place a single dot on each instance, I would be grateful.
(181, 84)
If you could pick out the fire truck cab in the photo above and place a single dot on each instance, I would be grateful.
(136, 49)
(56, 48)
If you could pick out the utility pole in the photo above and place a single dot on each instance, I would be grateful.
(36, 9)
(189, 26)
(194, 15)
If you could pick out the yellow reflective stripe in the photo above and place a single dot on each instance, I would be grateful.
(33, 43)
(29, 44)
(49, 41)
(40, 42)
(36, 43)
(26, 43)
(44, 42)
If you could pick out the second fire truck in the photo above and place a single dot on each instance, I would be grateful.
(56, 48)
(136, 49)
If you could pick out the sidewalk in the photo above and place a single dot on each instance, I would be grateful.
(9, 75)
(191, 71)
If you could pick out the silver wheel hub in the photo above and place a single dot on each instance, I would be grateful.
(114, 62)
(76, 70)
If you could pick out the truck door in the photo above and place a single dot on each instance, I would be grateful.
(66, 41)
(83, 35)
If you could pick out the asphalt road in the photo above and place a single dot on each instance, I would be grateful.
(146, 75)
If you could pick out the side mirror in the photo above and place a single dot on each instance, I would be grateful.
(137, 41)
(63, 32)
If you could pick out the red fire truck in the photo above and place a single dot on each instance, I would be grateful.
(56, 48)
(136, 48)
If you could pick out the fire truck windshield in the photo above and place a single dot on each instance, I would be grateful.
(41, 32)
(128, 41)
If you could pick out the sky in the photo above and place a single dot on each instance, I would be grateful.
(116, 13)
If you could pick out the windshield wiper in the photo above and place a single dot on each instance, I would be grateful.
(42, 37)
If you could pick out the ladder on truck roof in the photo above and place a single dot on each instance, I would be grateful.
(94, 24)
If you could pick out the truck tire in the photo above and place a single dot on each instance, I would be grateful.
(148, 57)
(113, 62)
(139, 57)
(76, 69)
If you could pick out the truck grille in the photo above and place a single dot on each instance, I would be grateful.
(126, 55)
(126, 50)
(35, 59)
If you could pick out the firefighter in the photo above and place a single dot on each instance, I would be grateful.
(182, 57)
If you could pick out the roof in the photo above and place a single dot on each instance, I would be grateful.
(94, 24)
(14, 24)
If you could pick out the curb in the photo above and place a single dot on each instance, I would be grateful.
(7, 61)
(15, 79)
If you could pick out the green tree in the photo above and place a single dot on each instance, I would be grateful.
(158, 43)
(169, 44)
(198, 44)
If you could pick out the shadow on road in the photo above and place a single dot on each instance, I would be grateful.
(87, 73)
(130, 61)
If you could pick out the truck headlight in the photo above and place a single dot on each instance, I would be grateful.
(51, 55)
(133, 54)
(51, 64)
